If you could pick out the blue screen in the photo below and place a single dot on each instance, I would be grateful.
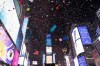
(85, 37)
(82, 61)
(48, 40)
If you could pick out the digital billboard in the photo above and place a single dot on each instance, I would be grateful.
(15, 58)
(49, 59)
(75, 35)
(82, 61)
(78, 47)
(48, 40)
(6, 47)
(48, 50)
(84, 34)
(9, 18)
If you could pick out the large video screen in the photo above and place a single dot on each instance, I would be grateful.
(6, 47)
(8, 16)
(82, 61)
(84, 34)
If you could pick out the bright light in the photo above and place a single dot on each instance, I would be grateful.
(99, 38)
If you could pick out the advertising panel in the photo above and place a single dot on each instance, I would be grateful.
(15, 58)
(48, 50)
(75, 35)
(78, 47)
(48, 59)
(9, 18)
(6, 47)
(85, 37)
(82, 61)
(48, 40)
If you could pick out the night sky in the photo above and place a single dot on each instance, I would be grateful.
(45, 13)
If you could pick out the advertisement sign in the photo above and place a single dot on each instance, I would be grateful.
(75, 35)
(48, 40)
(15, 58)
(48, 50)
(49, 59)
(82, 61)
(9, 18)
(78, 47)
(85, 37)
(6, 47)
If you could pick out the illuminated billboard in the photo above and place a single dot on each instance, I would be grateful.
(78, 47)
(75, 34)
(48, 40)
(84, 34)
(77, 41)
(9, 18)
(49, 59)
(82, 61)
(6, 47)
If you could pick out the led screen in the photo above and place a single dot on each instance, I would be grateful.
(82, 61)
(85, 37)
(6, 47)
(78, 47)
(15, 58)
(48, 50)
(48, 40)
(48, 59)
(75, 35)
(9, 18)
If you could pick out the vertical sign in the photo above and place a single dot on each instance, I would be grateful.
(82, 61)
(85, 37)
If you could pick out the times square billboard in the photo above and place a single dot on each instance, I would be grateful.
(6, 47)
(77, 41)
(85, 36)
(82, 33)
(9, 18)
